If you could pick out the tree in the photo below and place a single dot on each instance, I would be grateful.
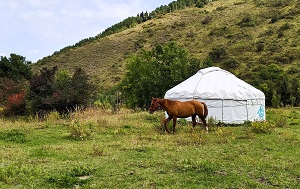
(14, 73)
(40, 88)
(15, 67)
(152, 73)
(81, 88)
(295, 94)
(59, 90)
(200, 3)
(284, 88)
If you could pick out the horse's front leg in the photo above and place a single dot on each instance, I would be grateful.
(165, 123)
(174, 123)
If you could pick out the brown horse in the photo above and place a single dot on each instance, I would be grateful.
(177, 109)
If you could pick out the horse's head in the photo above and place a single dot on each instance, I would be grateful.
(154, 105)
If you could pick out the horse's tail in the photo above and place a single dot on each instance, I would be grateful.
(205, 110)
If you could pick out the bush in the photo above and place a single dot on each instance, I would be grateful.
(247, 21)
(231, 64)
(41, 88)
(276, 98)
(81, 131)
(262, 127)
(109, 100)
(199, 4)
(278, 3)
(60, 91)
(260, 46)
(218, 54)
(9, 87)
(16, 105)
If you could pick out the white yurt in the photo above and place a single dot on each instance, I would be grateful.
(228, 98)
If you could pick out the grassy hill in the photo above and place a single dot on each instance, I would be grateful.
(249, 34)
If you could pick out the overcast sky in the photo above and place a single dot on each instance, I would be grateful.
(37, 28)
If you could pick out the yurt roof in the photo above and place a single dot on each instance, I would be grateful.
(214, 83)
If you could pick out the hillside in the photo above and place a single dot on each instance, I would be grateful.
(244, 36)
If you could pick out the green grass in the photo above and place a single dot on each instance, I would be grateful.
(97, 149)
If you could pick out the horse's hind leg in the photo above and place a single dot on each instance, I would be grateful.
(174, 123)
(194, 120)
(204, 122)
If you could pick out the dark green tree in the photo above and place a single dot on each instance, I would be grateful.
(60, 91)
(152, 73)
(280, 87)
(15, 67)
(284, 88)
(82, 88)
(295, 93)
(40, 89)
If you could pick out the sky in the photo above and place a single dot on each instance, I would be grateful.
(37, 28)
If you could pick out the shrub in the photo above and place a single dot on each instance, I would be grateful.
(247, 21)
(223, 135)
(16, 105)
(40, 88)
(199, 3)
(9, 87)
(278, 3)
(280, 120)
(260, 46)
(81, 131)
(218, 54)
(231, 64)
(60, 91)
(262, 127)
(276, 100)
(109, 100)
(219, 31)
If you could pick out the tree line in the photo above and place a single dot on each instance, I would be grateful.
(148, 74)
(23, 92)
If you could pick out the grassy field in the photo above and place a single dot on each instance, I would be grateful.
(97, 149)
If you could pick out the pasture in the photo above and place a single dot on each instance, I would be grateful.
(98, 149)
